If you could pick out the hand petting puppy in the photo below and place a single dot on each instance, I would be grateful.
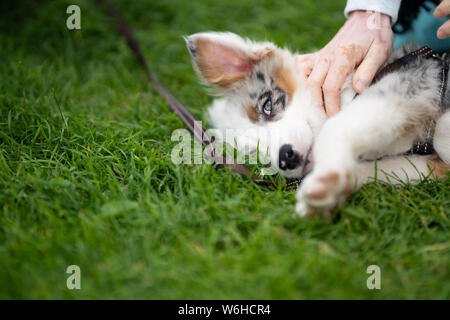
(365, 41)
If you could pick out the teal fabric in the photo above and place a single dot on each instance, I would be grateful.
(423, 32)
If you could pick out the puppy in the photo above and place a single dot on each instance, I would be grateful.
(261, 93)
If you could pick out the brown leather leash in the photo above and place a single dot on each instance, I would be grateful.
(182, 112)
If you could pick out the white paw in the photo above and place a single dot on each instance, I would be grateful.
(322, 191)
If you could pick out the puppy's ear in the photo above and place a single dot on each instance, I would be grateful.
(225, 58)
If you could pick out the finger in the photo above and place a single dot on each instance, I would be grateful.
(377, 55)
(304, 57)
(319, 71)
(444, 30)
(317, 77)
(443, 9)
(338, 73)
(304, 65)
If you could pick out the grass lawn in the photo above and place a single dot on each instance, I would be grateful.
(86, 176)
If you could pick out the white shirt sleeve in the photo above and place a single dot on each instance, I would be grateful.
(389, 7)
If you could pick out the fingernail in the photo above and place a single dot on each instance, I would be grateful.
(441, 34)
(438, 13)
(360, 85)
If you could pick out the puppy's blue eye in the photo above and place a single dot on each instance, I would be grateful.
(267, 108)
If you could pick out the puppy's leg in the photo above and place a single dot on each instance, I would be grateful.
(369, 125)
(393, 170)
(399, 169)
(441, 139)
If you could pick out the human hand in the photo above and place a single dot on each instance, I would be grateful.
(365, 40)
(441, 11)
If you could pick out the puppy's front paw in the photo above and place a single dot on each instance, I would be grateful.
(323, 191)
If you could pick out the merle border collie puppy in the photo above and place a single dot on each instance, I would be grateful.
(260, 92)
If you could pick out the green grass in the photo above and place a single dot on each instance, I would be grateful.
(86, 176)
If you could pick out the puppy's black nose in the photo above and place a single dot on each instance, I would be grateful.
(289, 158)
